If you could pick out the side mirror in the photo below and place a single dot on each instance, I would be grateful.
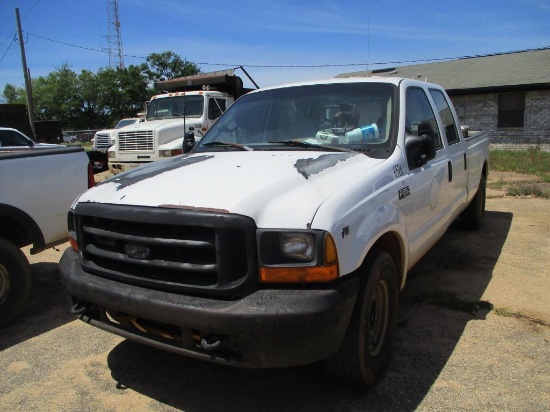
(419, 150)
(188, 141)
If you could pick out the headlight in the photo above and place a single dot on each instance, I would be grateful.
(297, 256)
(297, 246)
(111, 154)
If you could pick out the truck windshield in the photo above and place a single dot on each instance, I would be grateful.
(175, 106)
(125, 122)
(352, 116)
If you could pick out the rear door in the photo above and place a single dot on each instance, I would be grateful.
(456, 150)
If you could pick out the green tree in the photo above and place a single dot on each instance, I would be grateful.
(89, 105)
(14, 95)
(56, 96)
(96, 100)
(168, 65)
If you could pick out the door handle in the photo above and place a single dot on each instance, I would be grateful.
(450, 164)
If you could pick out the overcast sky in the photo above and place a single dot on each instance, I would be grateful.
(331, 36)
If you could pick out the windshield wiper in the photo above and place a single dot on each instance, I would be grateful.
(227, 144)
(307, 145)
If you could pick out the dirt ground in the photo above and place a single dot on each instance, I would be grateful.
(473, 334)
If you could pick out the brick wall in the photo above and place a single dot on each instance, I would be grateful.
(480, 112)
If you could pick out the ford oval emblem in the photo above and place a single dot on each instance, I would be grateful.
(137, 251)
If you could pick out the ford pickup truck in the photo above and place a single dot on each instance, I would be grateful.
(35, 195)
(285, 234)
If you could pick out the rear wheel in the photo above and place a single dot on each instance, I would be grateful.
(472, 217)
(367, 346)
(15, 281)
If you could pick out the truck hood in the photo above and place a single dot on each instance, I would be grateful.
(275, 188)
(154, 124)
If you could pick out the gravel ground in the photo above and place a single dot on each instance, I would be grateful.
(473, 334)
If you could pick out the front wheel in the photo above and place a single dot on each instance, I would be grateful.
(367, 346)
(15, 281)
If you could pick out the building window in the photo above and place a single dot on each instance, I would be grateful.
(511, 107)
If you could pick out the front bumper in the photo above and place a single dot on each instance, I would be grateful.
(268, 328)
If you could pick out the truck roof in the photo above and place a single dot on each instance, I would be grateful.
(340, 80)
(223, 81)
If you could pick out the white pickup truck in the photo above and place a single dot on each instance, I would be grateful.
(284, 236)
(38, 183)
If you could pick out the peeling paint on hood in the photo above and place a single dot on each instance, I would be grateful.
(311, 166)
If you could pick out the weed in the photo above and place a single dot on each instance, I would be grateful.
(528, 189)
(509, 313)
(501, 184)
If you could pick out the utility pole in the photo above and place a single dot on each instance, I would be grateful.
(26, 75)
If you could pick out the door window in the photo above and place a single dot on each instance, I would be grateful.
(216, 107)
(420, 118)
(12, 138)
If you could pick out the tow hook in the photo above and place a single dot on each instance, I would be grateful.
(78, 309)
(214, 344)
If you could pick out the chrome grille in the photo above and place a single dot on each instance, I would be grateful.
(135, 140)
(102, 141)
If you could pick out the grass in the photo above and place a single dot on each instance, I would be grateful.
(532, 161)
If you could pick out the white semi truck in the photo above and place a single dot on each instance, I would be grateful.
(191, 103)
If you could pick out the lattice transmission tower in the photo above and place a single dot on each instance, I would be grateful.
(114, 36)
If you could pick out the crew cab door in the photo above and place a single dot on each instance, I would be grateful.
(430, 187)
(456, 150)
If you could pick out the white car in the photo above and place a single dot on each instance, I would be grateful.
(13, 139)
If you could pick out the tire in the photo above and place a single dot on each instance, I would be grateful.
(472, 217)
(15, 281)
(367, 346)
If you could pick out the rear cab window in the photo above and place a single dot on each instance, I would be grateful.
(447, 119)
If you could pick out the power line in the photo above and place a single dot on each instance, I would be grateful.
(290, 66)
(13, 32)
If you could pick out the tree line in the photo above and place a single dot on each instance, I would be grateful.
(91, 100)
